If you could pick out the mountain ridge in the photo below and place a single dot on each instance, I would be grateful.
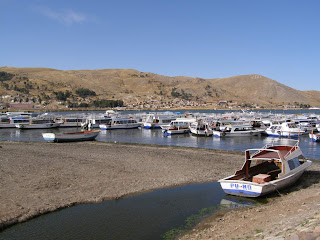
(133, 86)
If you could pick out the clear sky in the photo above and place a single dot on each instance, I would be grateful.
(279, 39)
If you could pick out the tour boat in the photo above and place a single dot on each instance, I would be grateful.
(201, 128)
(266, 170)
(38, 124)
(178, 126)
(120, 123)
(156, 120)
(70, 121)
(285, 129)
(11, 122)
(241, 130)
(71, 136)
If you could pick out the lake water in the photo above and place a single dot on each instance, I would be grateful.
(155, 136)
(153, 215)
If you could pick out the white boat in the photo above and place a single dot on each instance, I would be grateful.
(242, 130)
(266, 170)
(11, 122)
(314, 136)
(38, 124)
(201, 128)
(178, 126)
(70, 121)
(285, 129)
(71, 136)
(156, 120)
(120, 123)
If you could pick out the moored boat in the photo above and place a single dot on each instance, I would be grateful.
(38, 124)
(157, 120)
(266, 170)
(71, 136)
(314, 136)
(285, 129)
(178, 126)
(120, 123)
(242, 130)
(201, 128)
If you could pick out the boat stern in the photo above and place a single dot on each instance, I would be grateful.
(240, 188)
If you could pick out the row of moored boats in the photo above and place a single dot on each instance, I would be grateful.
(233, 124)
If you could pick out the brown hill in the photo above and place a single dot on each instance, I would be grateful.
(133, 86)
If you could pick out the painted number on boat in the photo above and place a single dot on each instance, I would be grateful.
(240, 186)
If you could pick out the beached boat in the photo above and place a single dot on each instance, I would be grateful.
(120, 123)
(201, 128)
(285, 129)
(266, 170)
(71, 136)
(38, 124)
(178, 126)
(314, 136)
(241, 130)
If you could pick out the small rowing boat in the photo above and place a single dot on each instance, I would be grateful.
(71, 136)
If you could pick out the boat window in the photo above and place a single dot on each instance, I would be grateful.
(291, 164)
(296, 162)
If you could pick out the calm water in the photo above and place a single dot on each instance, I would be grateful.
(155, 136)
(145, 216)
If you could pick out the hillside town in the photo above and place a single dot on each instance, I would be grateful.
(23, 102)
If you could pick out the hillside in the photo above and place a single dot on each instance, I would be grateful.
(135, 87)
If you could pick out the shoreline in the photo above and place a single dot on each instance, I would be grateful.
(42, 177)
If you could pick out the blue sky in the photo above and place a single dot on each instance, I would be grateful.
(278, 39)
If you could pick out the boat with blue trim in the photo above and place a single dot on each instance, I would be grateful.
(266, 170)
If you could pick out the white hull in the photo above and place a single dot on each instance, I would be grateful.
(38, 126)
(251, 189)
(119, 126)
(71, 137)
(314, 137)
(8, 125)
(283, 133)
(201, 132)
(236, 134)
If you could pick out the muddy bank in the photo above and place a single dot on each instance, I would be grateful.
(292, 215)
(40, 177)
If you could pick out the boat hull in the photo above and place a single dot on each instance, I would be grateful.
(314, 137)
(235, 134)
(119, 126)
(205, 133)
(251, 189)
(71, 137)
(38, 126)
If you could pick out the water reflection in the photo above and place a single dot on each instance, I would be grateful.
(146, 216)
(155, 136)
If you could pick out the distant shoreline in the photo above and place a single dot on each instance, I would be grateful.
(146, 110)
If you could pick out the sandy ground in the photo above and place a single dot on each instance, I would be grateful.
(41, 177)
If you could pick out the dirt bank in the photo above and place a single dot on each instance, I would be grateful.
(292, 215)
(40, 177)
